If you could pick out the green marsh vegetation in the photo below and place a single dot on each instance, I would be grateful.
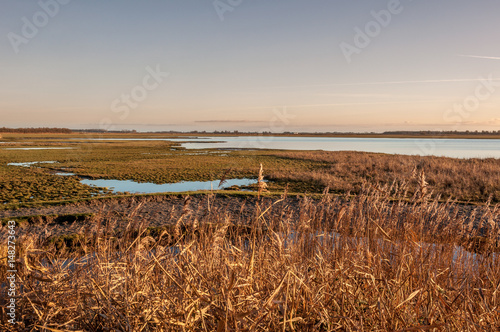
(467, 180)
(22, 185)
(387, 248)
(142, 161)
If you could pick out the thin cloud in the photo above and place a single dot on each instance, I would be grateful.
(490, 122)
(370, 95)
(228, 121)
(149, 124)
(346, 104)
(422, 81)
(295, 106)
(118, 124)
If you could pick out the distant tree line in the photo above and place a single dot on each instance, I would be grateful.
(36, 130)
(399, 132)
(104, 131)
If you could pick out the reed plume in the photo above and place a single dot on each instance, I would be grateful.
(261, 185)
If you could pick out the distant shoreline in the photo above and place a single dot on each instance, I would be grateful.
(368, 135)
(92, 134)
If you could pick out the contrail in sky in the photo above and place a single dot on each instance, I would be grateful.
(387, 82)
(422, 81)
(406, 82)
(480, 57)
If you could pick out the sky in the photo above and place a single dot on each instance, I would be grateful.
(251, 65)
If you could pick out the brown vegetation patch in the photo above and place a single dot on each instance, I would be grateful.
(363, 263)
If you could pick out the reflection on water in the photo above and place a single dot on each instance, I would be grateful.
(31, 163)
(150, 188)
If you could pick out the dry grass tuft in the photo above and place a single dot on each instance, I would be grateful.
(331, 264)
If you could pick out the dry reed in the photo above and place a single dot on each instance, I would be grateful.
(334, 264)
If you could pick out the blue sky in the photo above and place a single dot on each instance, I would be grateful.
(267, 64)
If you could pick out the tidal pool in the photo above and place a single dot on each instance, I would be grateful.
(40, 148)
(148, 188)
(31, 163)
(151, 188)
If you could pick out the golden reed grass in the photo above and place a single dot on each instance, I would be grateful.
(297, 264)
(343, 171)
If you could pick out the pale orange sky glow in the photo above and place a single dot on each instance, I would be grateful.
(331, 66)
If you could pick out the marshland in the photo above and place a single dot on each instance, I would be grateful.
(320, 241)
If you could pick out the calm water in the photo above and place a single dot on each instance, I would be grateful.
(31, 163)
(454, 148)
(150, 188)
(39, 148)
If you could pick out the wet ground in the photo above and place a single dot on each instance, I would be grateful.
(152, 211)
(155, 211)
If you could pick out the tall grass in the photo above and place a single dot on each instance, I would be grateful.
(343, 171)
(365, 263)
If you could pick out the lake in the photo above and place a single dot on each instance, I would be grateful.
(454, 148)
